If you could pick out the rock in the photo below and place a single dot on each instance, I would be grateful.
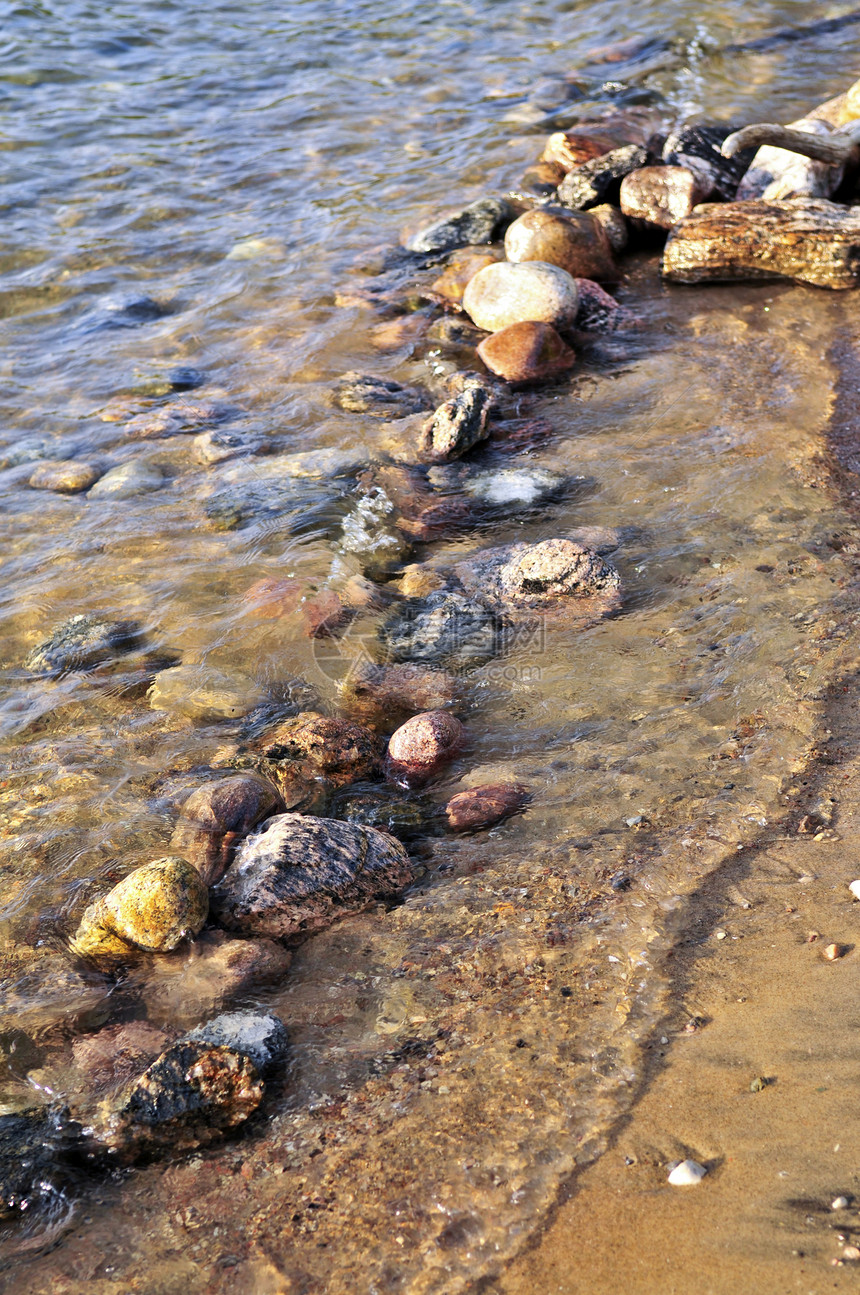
(388, 809)
(577, 243)
(301, 873)
(444, 628)
(376, 693)
(184, 378)
(260, 1036)
(219, 445)
(515, 488)
(188, 1097)
(201, 692)
(370, 532)
(809, 240)
(321, 746)
(480, 222)
(364, 393)
(65, 476)
(775, 173)
(175, 419)
(505, 294)
(217, 816)
(527, 352)
(462, 267)
(28, 449)
(82, 643)
(598, 312)
(614, 225)
(570, 148)
(542, 179)
(154, 908)
(216, 969)
(659, 196)
(270, 598)
(34, 1152)
(687, 1174)
(697, 147)
(127, 480)
(325, 615)
(117, 1054)
(481, 807)
(554, 575)
(599, 180)
(457, 426)
(421, 746)
(416, 582)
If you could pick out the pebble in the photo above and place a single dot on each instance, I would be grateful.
(599, 180)
(539, 575)
(376, 692)
(481, 807)
(614, 225)
(127, 480)
(480, 222)
(117, 1054)
(461, 268)
(270, 598)
(505, 294)
(83, 642)
(577, 243)
(854, 887)
(527, 352)
(215, 969)
(687, 1174)
(697, 147)
(154, 908)
(832, 952)
(598, 311)
(323, 746)
(325, 615)
(444, 628)
(457, 426)
(570, 148)
(301, 873)
(421, 746)
(365, 393)
(219, 445)
(260, 1036)
(29, 449)
(657, 197)
(204, 693)
(840, 1203)
(217, 816)
(65, 476)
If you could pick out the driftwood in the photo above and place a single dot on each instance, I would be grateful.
(809, 240)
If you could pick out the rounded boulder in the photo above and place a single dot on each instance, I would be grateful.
(510, 293)
(577, 243)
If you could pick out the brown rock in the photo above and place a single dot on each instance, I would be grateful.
(423, 745)
(483, 806)
(527, 352)
(559, 578)
(400, 333)
(320, 746)
(659, 196)
(217, 816)
(269, 598)
(64, 476)
(577, 243)
(570, 148)
(377, 693)
(117, 1053)
(417, 581)
(462, 267)
(614, 225)
(325, 615)
(543, 178)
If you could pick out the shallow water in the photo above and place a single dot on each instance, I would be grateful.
(239, 169)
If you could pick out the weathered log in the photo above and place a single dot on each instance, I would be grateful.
(809, 240)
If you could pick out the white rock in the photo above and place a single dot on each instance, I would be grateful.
(840, 1203)
(505, 293)
(854, 887)
(687, 1174)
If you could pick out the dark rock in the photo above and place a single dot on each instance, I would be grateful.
(577, 243)
(600, 179)
(260, 1036)
(657, 197)
(457, 426)
(697, 147)
(480, 222)
(421, 746)
(614, 224)
(445, 628)
(363, 393)
(377, 693)
(125, 312)
(321, 746)
(35, 1147)
(300, 874)
(527, 352)
(387, 809)
(82, 643)
(599, 312)
(217, 816)
(481, 807)
(185, 379)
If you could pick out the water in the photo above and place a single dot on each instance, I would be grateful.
(458, 1057)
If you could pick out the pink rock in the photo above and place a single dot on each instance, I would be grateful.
(423, 744)
(483, 806)
(657, 197)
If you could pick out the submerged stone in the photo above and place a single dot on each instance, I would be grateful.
(83, 642)
(127, 480)
(33, 1146)
(481, 807)
(153, 909)
(365, 393)
(302, 873)
(321, 746)
(444, 628)
(204, 693)
(458, 425)
(215, 818)
(65, 476)
(216, 969)
(480, 222)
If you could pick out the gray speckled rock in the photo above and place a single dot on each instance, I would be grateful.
(480, 222)
(505, 293)
(458, 425)
(365, 393)
(82, 642)
(127, 480)
(556, 574)
(302, 873)
(444, 628)
(599, 180)
(257, 1035)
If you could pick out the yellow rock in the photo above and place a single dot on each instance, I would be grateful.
(154, 908)
(418, 581)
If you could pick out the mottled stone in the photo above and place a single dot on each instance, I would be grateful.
(457, 426)
(174, 419)
(416, 582)
(217, 816)
(444, 628)
(83, 642)
(65, 476)
(614, 225)
(204, 693)
(388, 809)
(421, 746)
(376, 693)
(325, 615)
(154, 908)
(527, 352)
(462, 267)
(598, 311)
(577, 243)
(34, 1147)
(214, 970)
(659, 196)
(599, 180)
(365, 393)
(697, 147)
(127, 480)
(480, 222)
(321, 746)
(481, 807)
(570, 148)
(553, 575)
(505, 294)
(301, 873)
(260, 1036)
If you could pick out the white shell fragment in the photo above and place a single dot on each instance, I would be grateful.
(687, 1174)
(854, 887)
(840, 1203)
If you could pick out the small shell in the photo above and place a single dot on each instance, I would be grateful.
(687, 1174)
(834, 951)
(854, 887)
